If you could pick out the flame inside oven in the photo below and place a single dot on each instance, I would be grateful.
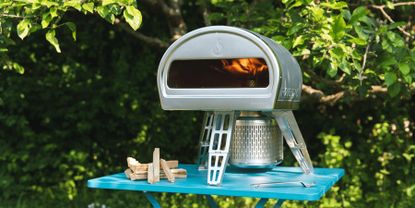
(245, 66)
(219, 73)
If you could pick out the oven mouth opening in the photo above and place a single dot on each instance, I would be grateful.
(218, 73)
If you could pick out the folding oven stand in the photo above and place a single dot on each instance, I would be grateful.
(235, 183)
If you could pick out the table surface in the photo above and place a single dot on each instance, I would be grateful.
(235, 183)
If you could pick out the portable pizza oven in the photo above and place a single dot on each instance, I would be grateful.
(247, 84)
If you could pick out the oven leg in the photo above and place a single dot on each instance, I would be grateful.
(211, 202)
(279, 203)
(153, 201)
(292, 134)
(204, 140)
(261, 203)
(220, 141)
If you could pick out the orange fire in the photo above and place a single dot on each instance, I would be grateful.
(248, 66)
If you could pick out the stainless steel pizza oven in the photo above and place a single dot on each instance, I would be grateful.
(247, 84)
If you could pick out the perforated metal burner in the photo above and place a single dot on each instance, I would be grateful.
(256, 142)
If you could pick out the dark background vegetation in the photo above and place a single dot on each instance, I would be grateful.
(78, 115)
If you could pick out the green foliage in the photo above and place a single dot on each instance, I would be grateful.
(31, 16)
(78, 114)
(331, 39)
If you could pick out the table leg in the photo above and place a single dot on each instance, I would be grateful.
(261, 202)
(279, 203)
(153, 201)
(211, 202)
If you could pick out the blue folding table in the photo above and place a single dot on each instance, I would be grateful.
(235, 183)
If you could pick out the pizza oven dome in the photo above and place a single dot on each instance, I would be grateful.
(228, 68)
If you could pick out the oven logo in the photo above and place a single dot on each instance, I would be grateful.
(217, 49)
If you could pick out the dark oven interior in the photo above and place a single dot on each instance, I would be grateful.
(219, 73)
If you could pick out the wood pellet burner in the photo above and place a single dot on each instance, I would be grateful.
(248, 86)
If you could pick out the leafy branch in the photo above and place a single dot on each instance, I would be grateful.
(381, 8)
(47, 15)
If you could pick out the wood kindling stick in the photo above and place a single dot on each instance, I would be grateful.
(151, 171)
(144, 166)
(134, 176)
(167, 171)
(135, 165)
(156, 164)
(132, 162)
(150, 174)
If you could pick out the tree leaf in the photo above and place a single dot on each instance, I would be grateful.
(390, 78)
(394, 89)
(357, 14)
(105, 13)
(88, 7)
(18, 68)
(358, 41)
(298, 41)
(46, 19)
(387, 61)
(48, 4)
(336, 6)
(345, 67)
(332, 71)
(72, 27)
(408, 78)
(54, 12)
(396, 24)
(404, 68)
(390, 5)
(317, 12)
(338, 27)
(395, 39)
(296, 4)
(50, 36)
(295, 28)
(133, 17)
(23, 28)
(74, 4)
(107, 2)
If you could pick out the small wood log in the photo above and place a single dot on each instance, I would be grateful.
(180, 176)
(144, 167)
(128, 172)
(167, 171)
(150, 174)
(156, 164)
(134, 176)
(132, 162)
(179, 171)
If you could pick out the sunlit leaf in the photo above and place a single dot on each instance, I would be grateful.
(54, 12)
(107, 2)
(50, 37)
(105, 13)
(335, 5)
(299, 40)
(46, 19)
(133, 17)
(23, 28)
(332, 71)
(74, 4)
(88, 7)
